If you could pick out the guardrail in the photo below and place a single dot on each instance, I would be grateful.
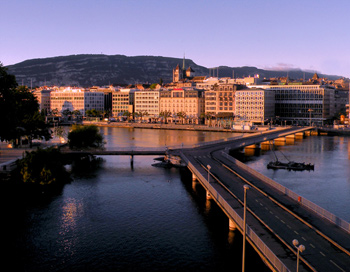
(303, 201)
(254, 238)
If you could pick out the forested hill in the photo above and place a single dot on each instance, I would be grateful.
(99, 70)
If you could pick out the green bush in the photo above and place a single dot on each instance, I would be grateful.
(43, 167)
(85, 137)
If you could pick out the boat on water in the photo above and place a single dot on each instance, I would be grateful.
(296, 166)
(290, 165)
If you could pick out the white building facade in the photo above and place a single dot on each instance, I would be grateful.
(76, 99)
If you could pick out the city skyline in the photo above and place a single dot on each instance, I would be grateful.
(307, 35)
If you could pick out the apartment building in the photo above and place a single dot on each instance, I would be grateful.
(187, 101)
(254, 105)
(147, 101)
(76, 99)
(123, 101)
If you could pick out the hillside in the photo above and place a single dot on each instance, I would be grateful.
(99, 70)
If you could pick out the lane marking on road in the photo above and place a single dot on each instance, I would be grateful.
(283, 222)
(312, 245)
(277, 217)
(303, 238)
(337, 266)
(296, 232)
(289, 227)
(271, 212)
(322, 254)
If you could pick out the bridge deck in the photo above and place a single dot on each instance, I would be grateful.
(274, 217)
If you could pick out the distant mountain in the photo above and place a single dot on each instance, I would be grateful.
(99, 70)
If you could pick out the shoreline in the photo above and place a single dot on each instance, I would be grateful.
(172, 127)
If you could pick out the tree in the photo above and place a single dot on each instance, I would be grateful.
(93, 113)
(43, 167)
(19, 111)
(128, 114)
(141, 114)
(85, 137)
(209, 116)
(182, 115)
(165, 114)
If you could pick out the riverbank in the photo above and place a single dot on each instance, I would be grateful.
(334, 132)
(173, 127)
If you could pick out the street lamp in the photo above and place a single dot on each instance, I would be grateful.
(310, 110)
(245, 187)
(209, 167)
(300, 248)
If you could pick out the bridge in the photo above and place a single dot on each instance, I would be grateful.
(275, 215)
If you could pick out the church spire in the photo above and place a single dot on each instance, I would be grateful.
(183, 63)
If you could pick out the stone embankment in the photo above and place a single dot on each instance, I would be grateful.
(173, 127)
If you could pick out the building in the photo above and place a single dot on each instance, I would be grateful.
(43, 97)
(188, 103)
(255, 105)
(147, 103)
(303, 104)
(123, 102)
(76, 99)
(107, 91)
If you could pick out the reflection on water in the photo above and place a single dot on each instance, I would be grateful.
(328, 185)
(138, 137)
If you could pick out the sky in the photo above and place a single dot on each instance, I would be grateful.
(312, 35)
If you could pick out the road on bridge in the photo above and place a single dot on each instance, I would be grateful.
(278, 219)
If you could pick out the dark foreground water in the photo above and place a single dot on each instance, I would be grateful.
(119, 218)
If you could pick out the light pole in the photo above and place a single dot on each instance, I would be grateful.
(245, 187)
(209, 167)
(310, 110)
(300, 248)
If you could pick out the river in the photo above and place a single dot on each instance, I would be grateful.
(143, 218)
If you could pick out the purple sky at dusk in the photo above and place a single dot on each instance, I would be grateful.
(277, 34)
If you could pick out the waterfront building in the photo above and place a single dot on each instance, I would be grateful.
(43, 97)
(254, 105)
(303, 104)
(76, 99)
(147, 103)
(123, 102)
(107, 92)
(188, 103)
(220, 103)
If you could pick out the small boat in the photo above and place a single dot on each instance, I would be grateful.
(290, 165)
(296, 166)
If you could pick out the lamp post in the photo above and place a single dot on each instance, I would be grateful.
(209, 167)
(245, 187)
(310, 110)
(300, 248)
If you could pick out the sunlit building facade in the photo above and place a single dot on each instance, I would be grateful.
(255, 105)
(76, 99)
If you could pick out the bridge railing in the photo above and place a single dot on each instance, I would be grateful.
(303, 201)
(264, 249)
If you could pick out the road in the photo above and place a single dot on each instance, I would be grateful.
(284, 219)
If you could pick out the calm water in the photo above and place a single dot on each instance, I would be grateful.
(328, 185)
(120, 218)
